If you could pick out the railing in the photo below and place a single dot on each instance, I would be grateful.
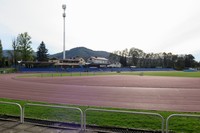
(17, 104)
(54, 106)
(178, 115)
(83, 116)
(128, 112)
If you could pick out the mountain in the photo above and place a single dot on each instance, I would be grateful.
(81, 52)
(8, 53)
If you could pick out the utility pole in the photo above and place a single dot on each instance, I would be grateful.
(64, 15)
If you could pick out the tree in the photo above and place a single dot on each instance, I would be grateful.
(189, 61)
(24, 47)
(1, 54)
(15, 51)
(123, 61)
(174, 60)
(180, 63)
(42, 52)
(113, 58)
(135, 55)
(14, 54)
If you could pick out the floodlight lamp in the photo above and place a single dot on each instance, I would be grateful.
(64, 6)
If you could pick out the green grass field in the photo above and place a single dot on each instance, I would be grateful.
(189, 125)
(174, 74)
(7, 70)
(159, 73)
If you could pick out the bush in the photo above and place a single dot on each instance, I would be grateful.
(7, 70)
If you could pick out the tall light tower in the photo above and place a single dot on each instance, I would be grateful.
(64, 15)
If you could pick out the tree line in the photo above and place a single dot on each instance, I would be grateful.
(22, 51)
(138, 58)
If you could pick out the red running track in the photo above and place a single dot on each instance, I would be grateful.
(133, 92)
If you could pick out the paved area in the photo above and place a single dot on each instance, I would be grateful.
(16, 127)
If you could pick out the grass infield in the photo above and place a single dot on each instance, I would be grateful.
(189, 125)
(7, 70)
(153, 73)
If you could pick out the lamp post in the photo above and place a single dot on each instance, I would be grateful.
(64, 15)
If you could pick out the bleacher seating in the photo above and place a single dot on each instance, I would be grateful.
(82, 69)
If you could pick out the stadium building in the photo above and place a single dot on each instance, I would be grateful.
(97, 62)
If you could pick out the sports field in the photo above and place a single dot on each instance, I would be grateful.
(142, 73)
(123, 90)
(117, 90)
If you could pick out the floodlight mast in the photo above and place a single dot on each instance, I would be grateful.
(64, 15)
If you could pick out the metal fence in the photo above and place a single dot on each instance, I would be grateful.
(83, 116)
(122, 69)
(178, 115)
(54, 106)
(16, 104)
(127, 112)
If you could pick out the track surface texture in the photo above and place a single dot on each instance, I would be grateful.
(133, 92)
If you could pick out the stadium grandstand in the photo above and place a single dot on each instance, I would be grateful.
(97, 62)
(78, 64)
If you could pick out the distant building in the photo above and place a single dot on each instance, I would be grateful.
(35, 64)
(97, 61)
(72, 62)
(115, 65)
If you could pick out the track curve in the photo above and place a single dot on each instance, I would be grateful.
(134, 92)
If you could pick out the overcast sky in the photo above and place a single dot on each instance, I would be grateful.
(110, 25)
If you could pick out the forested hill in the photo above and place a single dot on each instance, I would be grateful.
(78, 51)
(81, 52)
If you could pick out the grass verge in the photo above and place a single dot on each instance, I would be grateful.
(176, 124)
(7, 70)
(154, 73)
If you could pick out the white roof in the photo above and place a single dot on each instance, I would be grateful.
(99, 58)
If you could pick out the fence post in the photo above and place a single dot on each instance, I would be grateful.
(179, 115)
(20, 108)
(121, 111)
(56, 106)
